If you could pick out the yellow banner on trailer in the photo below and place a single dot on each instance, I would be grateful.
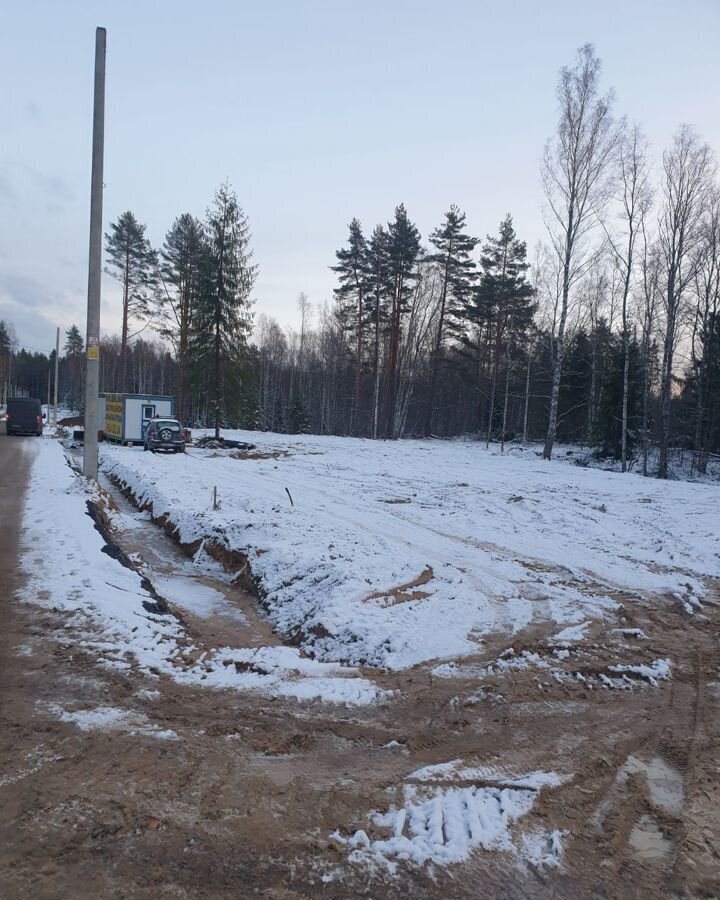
(114, 416)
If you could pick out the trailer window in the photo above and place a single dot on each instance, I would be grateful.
(148, 412)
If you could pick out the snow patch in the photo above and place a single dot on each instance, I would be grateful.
(111, 718)
(443, 822)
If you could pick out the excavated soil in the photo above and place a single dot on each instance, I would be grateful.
(242, 800)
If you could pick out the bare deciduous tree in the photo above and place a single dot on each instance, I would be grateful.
(576, 169)
(635, 198)
(688, 171)
(707, 310)
(650, 294)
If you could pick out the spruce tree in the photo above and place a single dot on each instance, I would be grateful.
(504, 299)
(453, 259)
(298, 422)
(224, 313)
(132, 262)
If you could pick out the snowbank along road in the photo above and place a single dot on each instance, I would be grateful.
(436, 672)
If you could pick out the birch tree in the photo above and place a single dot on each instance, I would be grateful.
(576, 173)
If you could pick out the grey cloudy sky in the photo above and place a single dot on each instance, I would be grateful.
(316, 111)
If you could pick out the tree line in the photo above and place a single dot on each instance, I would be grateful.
(608, 336)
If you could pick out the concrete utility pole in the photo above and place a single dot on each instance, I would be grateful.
(92, 368)
(57, 357)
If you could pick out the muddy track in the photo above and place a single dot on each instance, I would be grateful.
(637, 818)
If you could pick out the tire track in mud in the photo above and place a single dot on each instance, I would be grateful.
(640, 811)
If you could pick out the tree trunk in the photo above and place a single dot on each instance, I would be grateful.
(125, 317)
(559, 341)
(593, 390)
(558, 351)
(491, 406)
(646, 404)
(436, 349)
(700, 455)
(376, 387)
(507, 394)
(393, 360)
(666, 382)
(626, 376)
(527, 399)
(358, 365)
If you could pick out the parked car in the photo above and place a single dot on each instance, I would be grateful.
(23, 416)
(164, 434)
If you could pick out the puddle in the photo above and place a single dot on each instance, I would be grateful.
(665, 783)
(194, 595)
(648, 841)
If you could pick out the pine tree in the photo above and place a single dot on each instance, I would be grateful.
(503, 301)
(403, 251)
(181, 270)
(352, 270)
(457, 269)
(132, 262)
(224, 318)
(74, 344)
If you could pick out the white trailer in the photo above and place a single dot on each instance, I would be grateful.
(125, 417)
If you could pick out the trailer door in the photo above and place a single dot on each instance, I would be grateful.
(148, 412)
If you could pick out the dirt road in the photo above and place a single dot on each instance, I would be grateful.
(242, 801)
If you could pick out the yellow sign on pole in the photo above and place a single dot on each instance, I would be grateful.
(93, 353)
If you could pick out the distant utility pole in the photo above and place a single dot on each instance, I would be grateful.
(57, 357)
(92, 368)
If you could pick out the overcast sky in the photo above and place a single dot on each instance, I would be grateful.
(316, 112)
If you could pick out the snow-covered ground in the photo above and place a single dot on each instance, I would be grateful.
(394, 553)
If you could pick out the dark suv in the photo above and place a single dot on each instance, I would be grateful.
(23, 416)
(164, 434)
